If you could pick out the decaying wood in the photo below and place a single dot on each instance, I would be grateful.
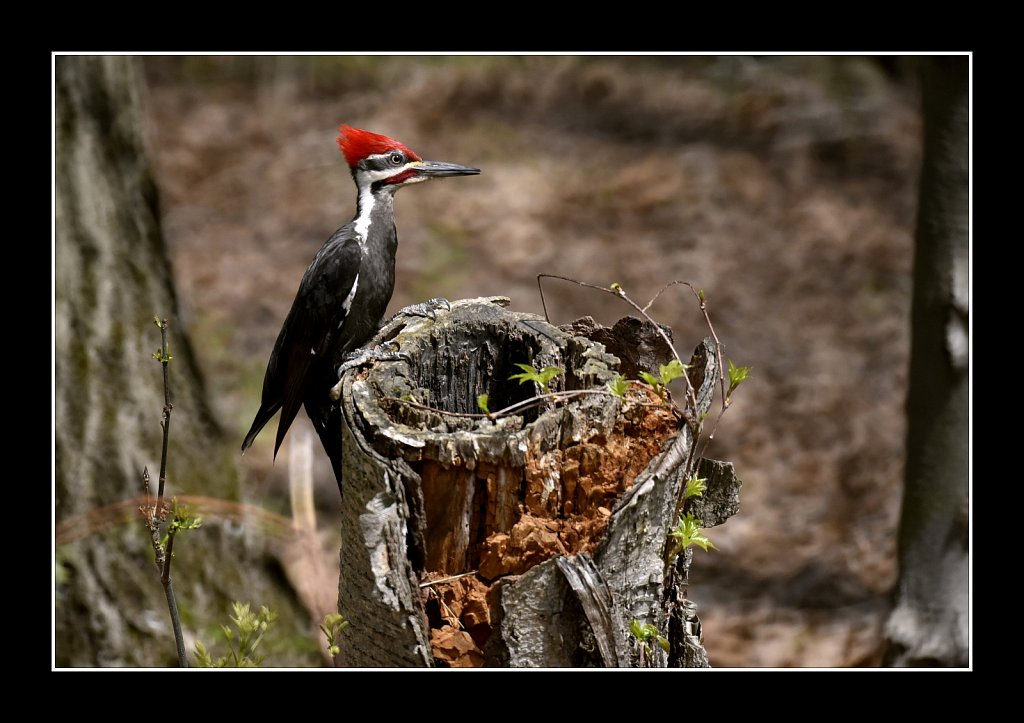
(563, 508)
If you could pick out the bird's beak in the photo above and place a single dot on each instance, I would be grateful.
(440, 169)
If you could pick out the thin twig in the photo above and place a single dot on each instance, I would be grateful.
(662, 290)
(451, 613)
(699, 445)
(149, 515)
(553, 396)
(505, 411)
(172, 602)
(525, 404)
(165, 420)
(451, 578)
(617, 291)
(451, 616)
(165, 572)
(155, 515)
(702, 302)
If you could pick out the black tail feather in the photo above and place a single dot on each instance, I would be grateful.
(327, 422)
(262, 417)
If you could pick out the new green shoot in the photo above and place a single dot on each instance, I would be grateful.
(542, 377)
(619, 385)
(690, 531)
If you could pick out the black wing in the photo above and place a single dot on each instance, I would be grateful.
(301, 355)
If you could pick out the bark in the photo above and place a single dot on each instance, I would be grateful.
(112, 276)
(552, 521)
(929, 625)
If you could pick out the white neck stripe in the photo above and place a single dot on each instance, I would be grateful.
(365, 180)
(366, 201)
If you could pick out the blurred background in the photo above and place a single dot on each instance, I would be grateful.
(785, 187)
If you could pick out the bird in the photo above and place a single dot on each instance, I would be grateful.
(343, 295)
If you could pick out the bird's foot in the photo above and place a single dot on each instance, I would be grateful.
(364, 356)
(428, 309)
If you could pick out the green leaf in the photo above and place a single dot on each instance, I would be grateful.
(332, 625)
(251, 627)
(541, 377)
(675, 369)
(701, 540)
(642, 631)
(333, 620)
(650, 379)
(690, 531)
(527, 375)
(182, 518)
(203, 657)
(663, 642)
(619, 386)
(695, 486)
(737, 375)
(547, 374)
(481, 402)
(268, 616)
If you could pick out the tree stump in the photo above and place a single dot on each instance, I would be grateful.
(528, 539)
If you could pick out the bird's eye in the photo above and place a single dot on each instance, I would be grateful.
(396, 159)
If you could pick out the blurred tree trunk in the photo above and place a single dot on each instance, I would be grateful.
(929, 625)
(112, 276)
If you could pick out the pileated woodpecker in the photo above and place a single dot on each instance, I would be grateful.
(345, 291)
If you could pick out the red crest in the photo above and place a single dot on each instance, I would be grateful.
(358, 144)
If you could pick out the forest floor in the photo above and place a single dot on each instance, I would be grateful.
(784, 187)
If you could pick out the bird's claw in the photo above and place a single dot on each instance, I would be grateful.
(428, 309)
(364, 356)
